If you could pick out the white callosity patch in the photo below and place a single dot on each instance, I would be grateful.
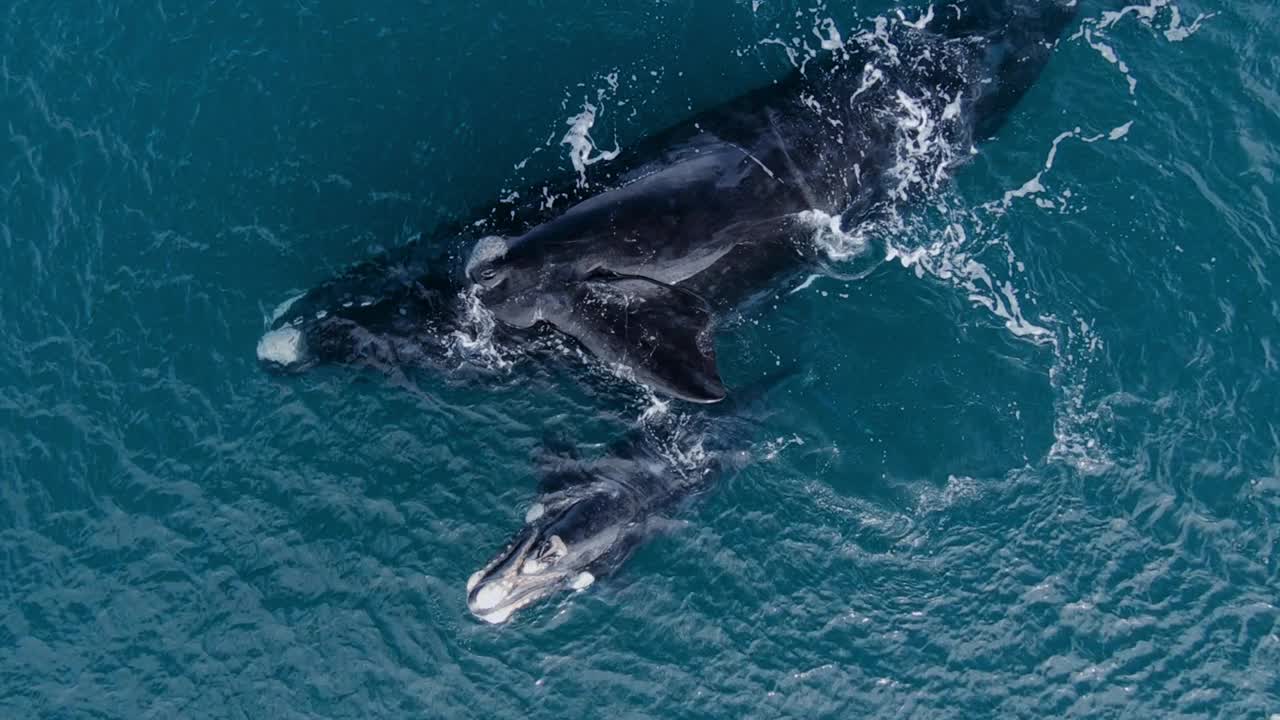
(492, 594)
(497, 617)
(283, 346)
(487, 249)
(532, 566)
(583, 581)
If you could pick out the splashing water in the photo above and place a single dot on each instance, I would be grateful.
(582, 145)
(473, 341)
(582, 148)
(830, 237)
(955, 251)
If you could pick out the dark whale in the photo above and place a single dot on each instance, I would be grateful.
(701, 218)
(592, 513)
(639, 274)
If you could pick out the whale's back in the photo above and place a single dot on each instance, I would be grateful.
(1019, 37)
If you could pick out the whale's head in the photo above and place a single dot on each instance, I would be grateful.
(487, 268)
(377, 314)
(508, 281)
(567, 540)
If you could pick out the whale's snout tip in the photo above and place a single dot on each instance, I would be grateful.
(282, 347)
(487, 599)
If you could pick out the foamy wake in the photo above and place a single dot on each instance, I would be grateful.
(583, 151)
(1035, 189)
(473, 341)
(582, 148)
(677, 437)
(830, 237)
(957, 251)
(961, 255)
(960, 252)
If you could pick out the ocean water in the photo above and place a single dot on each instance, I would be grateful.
(1027, 467)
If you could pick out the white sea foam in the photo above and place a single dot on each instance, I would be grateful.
(473, 341)
(775, 447)
(948, 258)
(283, 308)
(583, 151)
(1109, 54)
(920, 23)
(1094, 30)
(808, 282)
(1033, 188)
(1174, 31)
(831, 238)
(1177, 32)
(829, 35)
(959, 490)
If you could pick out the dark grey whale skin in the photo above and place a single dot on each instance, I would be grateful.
(698, 219)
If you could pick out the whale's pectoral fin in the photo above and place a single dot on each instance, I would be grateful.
(660, 332)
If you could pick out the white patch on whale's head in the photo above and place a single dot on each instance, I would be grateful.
(282, 346)
(485, 256)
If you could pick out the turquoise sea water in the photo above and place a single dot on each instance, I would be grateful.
(1028, 468)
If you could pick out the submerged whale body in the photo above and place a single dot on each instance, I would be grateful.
(705, 216)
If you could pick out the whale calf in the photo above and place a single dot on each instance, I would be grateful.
(698, 220)
(591, 514)
(586, 522)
